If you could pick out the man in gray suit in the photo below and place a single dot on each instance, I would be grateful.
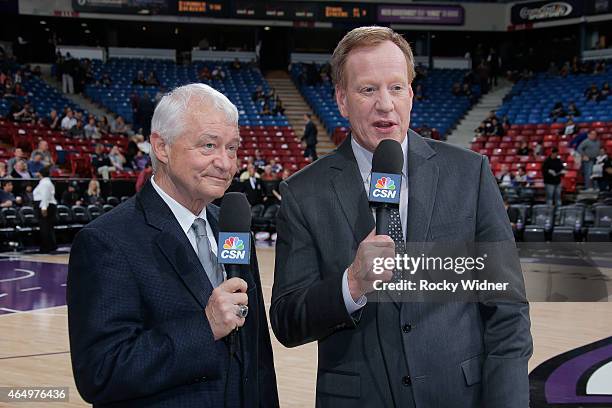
(393, 354)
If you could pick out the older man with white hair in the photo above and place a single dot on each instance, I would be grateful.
(149, 307)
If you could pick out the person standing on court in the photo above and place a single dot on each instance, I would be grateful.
(45, 206)
(310, 137)
(149, 308)
(376, 353)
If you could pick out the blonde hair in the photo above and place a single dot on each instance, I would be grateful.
(367, 37)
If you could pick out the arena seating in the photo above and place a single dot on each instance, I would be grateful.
(238, 86)
(441, 110)
(43, 98)
(572, 223)
(502, 150)
(530, 102)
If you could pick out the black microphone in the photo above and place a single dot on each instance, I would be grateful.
(386, 182)
(234, 241)
(234, 233)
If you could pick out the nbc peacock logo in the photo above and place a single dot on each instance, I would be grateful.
(233, 243)
(385, 183)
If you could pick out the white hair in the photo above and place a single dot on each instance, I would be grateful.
(169, 116)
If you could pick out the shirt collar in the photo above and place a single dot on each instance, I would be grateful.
(364, 158)
(184, 217)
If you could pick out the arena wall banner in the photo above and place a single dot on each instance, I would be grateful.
(421, 14)
(538, 11)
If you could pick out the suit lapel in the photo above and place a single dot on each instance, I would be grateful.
(174, 245)
(348, 186)
(422, 185)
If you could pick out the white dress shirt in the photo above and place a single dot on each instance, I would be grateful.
(186, 218)
(45, 193)
(364, 162)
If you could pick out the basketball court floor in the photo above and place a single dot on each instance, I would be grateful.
(571, 364)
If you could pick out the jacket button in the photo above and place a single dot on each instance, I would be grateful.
(406, 328)
(406, 380)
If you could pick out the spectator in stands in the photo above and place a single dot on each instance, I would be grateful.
(259, 161)
(3, 172)
(276, 167)
(91, 130)
(570, 127)
(558, 111)
(104, 126)
(258, 95)
(152, 79)
(204, 74)
(43, 149)
(456, 89)
(54, 121)
(236, 64)
(101, 162)
(600, 67)
(573, 110)
(117, 159)
(20, 170)
(36, 164)
(106, 80)
(496, 128)
(251, 187)
(250, 171)
(119, 126)
(139, 79)
(71, 196)
(93, 195)
(589, 150)
(592, 93)
(604, 93)
(265, 110)
(268, 174)
(19, 91)
(598, 175)
(68, 121)
(45, 207)
(279, 109)
(419, 93)
(218, 74)
(522, 179)
(524, 150)
(77, 131)
(25, 115)
(552, 170)
(310, 137)
(140, 160)
(67, 68)
(7, 198)
(505, 178)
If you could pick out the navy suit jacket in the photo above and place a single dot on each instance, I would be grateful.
(138, 332)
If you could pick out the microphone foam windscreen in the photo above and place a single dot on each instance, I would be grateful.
(388, 157)
(235, 213)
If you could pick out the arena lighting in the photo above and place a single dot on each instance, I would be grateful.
(87, 32)
(43, 22)
(267, 28)
(176, 30)
(83, 24)
(144, 28)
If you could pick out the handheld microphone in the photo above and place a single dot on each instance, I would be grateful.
(234, 233)
(386, 182)
(234, 240)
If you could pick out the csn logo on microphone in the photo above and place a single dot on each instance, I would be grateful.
(235, 248)
(385, 188)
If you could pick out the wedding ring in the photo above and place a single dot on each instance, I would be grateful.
(243, 311)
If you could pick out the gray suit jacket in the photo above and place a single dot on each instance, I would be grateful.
(398, 354)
